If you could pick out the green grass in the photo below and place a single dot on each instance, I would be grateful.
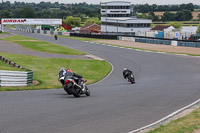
(42, 45)
(80, 38)
(5, 66)
(10, 26)
(184, 23)
(185, 124)
(46, 70)
(4, 32)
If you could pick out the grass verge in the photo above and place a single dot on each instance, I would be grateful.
(42, 45)
(80, 38)
(4, 32)
(184, 23)
(46, 70)
(185, 124)
(5, 66)
(10, 26)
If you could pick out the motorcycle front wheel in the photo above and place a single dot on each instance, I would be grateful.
(87, 91)
(132, 79)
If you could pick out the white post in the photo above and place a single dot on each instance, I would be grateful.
(2, 27)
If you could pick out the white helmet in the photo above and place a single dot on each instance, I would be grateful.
(125, 69)
(62, 68)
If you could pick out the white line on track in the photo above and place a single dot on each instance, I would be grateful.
(142, 50)
(165, 118)
(107, 75)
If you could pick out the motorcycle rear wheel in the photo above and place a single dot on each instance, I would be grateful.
(75, 92)
(68, 92)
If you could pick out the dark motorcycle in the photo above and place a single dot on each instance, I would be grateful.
(56, 37)
(131, 78)
(70, 85)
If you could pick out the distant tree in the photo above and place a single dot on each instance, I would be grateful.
(183, 15)
(161, 8)
(154, 7)
(139, 15)
(93, 20)
(154, 17)
(143, 8)
(16, 13)
(167, 16)
(180, 16)
(73, 21)
(183, 7)
(188, 14)
(28, 12)
(5, 14)
(199, 16)
(176, 25)
(150, 15)
(174, 8)
(190, 7)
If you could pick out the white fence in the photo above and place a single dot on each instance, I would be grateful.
(39, 31)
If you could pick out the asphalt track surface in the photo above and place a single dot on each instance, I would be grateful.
(164, 84)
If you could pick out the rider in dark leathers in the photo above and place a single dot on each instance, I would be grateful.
(77, 78)
(126, 73)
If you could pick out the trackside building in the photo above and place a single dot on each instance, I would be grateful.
(116, 17)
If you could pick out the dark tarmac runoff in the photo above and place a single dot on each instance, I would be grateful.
(164, 84)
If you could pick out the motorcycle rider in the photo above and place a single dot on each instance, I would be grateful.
(56, 37)
(126, 73)
(77, 78)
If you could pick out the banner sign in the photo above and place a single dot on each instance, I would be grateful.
(31, 21)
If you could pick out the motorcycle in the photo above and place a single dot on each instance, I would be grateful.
(71, 86)
(131, 78)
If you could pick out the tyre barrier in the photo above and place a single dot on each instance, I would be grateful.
(164, 42)
(15, 78)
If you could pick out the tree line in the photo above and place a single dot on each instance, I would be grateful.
(48, 10)
(85, 11)
(168, 16)
(146, 8)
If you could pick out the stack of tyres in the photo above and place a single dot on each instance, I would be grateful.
(180, 43)
(198, 44)
(162, 42)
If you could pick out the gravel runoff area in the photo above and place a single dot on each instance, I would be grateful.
(156, 47)
(9, 47)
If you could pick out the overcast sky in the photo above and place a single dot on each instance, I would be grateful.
(158, 2)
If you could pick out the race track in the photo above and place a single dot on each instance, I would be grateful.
(164, 84)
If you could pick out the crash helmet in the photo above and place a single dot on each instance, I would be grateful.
(124, 69)
(62, 68)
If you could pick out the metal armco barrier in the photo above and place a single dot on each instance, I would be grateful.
(15, 78)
